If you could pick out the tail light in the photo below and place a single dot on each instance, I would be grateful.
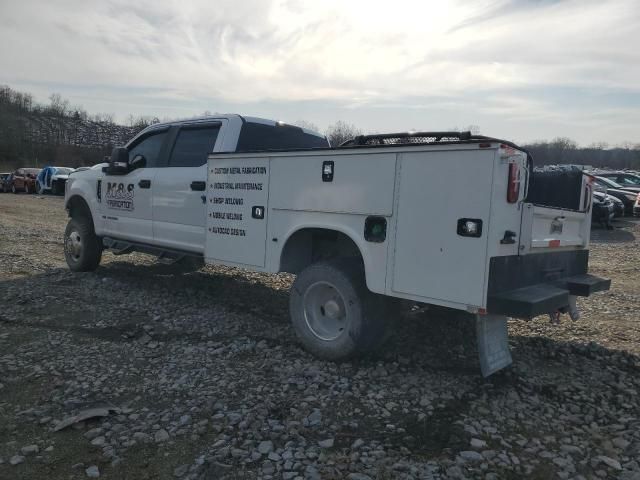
(513, 186)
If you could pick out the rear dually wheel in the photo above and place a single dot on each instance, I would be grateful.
(333, 313)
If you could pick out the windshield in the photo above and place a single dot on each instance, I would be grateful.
(608, 183)
(63, 171)
(629, 180)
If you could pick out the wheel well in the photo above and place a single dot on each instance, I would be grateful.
(310, 245)
(77, 207)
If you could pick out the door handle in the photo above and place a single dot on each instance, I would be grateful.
(144, 183)
(198, 186)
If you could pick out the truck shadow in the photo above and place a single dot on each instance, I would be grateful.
(431, 338)
(620, 233)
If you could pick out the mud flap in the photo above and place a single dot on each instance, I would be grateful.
(493, 343)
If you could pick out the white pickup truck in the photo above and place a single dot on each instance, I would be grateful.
(441, 218)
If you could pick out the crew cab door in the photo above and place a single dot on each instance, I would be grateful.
(127, 199)
(179, 195)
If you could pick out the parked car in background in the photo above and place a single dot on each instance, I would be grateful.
(24, 180)
(618, 206)
(3, 178)
(624, 179)
(627, 195)
(52, 179)
(603, 211)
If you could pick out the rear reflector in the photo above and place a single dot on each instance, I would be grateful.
(513, 186)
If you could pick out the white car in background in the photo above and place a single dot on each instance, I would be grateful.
(52, 179)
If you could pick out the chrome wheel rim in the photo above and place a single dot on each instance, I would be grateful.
(324, 311)
(73, 246)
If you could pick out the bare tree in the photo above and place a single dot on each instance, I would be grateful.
(474, 129)
(340, 132)
(307, 125)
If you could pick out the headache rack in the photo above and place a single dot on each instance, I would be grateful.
(417, 138)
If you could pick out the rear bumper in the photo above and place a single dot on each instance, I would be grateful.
(531, 285)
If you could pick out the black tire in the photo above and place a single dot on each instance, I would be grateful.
(362, 316)
(82, 248)
(55, 188)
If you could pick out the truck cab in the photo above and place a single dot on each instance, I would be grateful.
(158, 199)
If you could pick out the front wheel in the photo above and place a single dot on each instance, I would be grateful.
(82, 248)
(333, 313)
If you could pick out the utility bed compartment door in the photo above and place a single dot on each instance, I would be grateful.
(436, 190)
(360, 183)
(237, 201)
(544, 228)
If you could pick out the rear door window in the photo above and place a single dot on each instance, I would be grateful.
(193, 146)
(261, 137)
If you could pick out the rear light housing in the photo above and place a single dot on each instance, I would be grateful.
(513, 184)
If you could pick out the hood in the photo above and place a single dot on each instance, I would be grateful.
(622, 192)
(630, 189)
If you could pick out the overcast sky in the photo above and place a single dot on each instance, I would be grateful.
(519, 69)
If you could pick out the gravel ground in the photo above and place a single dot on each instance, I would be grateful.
(199, 376)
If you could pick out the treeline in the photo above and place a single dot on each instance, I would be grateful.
(33, 134)
(563, 151)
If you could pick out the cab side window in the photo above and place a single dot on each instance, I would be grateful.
(149, 147)
(193, 145)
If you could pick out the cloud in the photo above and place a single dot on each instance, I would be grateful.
(358, 54)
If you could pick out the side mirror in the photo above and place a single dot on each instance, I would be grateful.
(138, 162)
(118, 163)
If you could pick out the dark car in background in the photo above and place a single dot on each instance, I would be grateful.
(627, 195)
(624, 179)
(602, 211)
(618, 206)
(4, 177)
